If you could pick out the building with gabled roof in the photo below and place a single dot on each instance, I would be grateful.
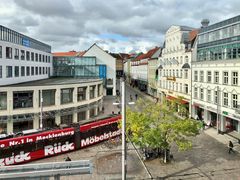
(174, 77)
(139, 68)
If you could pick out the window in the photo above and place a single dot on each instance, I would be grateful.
(195, 92)
(67, 119)
(22, 99)
(81, 93)
(22, 70)
(36, 70)
(92, 92)
(234, 101)
(40, 58)
(209, 95)
(201, 76)
(225, 77)
(36, 57)
(0, 51)
(234, 78)
(195, 76)
(8, 71)
(225, 99)
(22, 55)
(0, 71)
(27, 55)
(185, 73)
(201, 94)
(216, 97)
(32, 71)
(3, 100)
(66, 96)
(16, 71)
(81, 116)
(16, 56)
(209, 76)
(216, 77)
(32, 56)
(28, 71)
(48, 97)
(8, 53)
(40, 70)
(186, 88)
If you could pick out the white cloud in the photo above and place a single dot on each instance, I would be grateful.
(77, 24)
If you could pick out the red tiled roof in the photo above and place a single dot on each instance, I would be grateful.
(192, 34)
(149, 54)
(70, 53)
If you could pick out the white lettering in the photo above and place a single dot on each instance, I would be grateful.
(95, 139)
(15, 159)
(58, 148)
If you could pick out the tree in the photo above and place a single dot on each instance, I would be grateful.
(153, 125)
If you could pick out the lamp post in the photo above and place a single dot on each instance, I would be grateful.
(41, 110)
(124, 153)
(218, 100)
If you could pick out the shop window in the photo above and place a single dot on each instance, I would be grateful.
(81, 93)
(22, 99)
(67, 119)
(81, 116)
(3, 100)
(66, 96)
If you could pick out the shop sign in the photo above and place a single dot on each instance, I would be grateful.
(171, 78)
(225, 112)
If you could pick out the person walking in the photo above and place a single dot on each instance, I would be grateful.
(136, 96)
(230, 147)
(131, 98)
(68, 159)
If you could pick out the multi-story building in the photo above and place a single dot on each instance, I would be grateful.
(175, 64)
(139, 68)
(64, 101)
(215, 75)
(119, 62)
(104, 58)
(29, 98)
(22, 58)
(153, 75)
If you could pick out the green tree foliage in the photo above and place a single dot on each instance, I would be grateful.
(153, 125)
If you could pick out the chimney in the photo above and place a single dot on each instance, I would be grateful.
(204, 23)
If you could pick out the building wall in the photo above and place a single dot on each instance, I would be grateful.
(216, 75)
(103, 57)
(172, 77)
(58, 107)
(152, 81)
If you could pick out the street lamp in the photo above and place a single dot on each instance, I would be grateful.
(41, 109)
(123, 106)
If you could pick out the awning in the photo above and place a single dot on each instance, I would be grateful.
(174, 98)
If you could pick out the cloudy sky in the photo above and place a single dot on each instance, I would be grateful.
(115, 25)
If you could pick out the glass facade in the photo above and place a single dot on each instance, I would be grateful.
(220, 41)
(85, 67)
(3, 100)
(17, 38)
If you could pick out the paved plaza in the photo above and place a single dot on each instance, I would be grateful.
(208, 159)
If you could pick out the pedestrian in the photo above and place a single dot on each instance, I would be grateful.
(112, 112)
(230, 147)
(130, 97)
(103, 109)
(68, 158)
(136, 96)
